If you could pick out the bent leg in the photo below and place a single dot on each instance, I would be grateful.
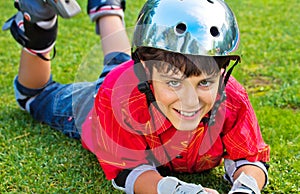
(34, 72)
(58, 105)
(64, 107)
(113, 35)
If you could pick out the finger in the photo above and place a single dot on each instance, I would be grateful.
(211, 191)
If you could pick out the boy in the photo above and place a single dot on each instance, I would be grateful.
(165, 110)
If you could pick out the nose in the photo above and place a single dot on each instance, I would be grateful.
(190, 97)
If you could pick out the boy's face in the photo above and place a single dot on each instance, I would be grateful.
(185, 100)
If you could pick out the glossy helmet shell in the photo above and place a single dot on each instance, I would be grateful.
(196, 27)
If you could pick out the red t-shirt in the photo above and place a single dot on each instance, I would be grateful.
(124, 133)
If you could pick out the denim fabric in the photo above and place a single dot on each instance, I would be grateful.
(65, 106)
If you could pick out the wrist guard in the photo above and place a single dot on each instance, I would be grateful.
(245, 184)
(172, 185)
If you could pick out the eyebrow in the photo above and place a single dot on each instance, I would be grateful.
(212, 76)
(172, 77)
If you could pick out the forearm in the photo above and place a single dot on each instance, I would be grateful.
(257, 173)
(147, 182)
(145, 179)
(151, 182)
(141, 179)
(246, 175)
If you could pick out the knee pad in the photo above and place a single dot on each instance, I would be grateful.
(35, 39)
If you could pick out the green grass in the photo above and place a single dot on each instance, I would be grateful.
(37, 159)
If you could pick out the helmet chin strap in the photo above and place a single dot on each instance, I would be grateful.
(144, 86)
(223, 82)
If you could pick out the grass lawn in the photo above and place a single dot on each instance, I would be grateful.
(37, 159)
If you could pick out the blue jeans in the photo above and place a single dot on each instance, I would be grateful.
(65, 106)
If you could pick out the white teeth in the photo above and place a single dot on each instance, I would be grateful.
(187, 114)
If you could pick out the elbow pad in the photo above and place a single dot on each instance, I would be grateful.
(126, 179)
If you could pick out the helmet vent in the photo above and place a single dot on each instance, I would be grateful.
(180, 28)
(214, 31)
(209, 1)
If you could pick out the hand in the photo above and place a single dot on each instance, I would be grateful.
(168, 185)
(211, 191)
(241, 190)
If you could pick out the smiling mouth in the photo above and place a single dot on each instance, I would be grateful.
(187, 114)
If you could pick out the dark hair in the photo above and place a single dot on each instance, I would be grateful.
(189, 65)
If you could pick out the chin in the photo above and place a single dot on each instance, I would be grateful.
(187, 127)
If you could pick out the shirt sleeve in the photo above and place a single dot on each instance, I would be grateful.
(242, 136)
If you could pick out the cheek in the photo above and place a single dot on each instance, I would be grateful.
(163, 95)
(208, 97)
